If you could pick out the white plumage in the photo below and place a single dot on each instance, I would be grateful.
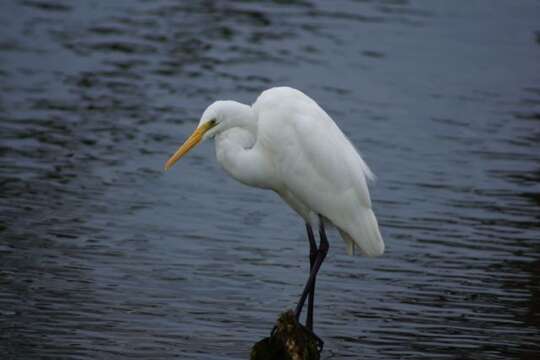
(286, 142)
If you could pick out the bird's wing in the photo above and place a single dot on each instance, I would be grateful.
(316, 163)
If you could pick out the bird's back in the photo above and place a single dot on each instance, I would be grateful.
(317, 166)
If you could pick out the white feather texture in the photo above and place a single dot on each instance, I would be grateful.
(286, 142)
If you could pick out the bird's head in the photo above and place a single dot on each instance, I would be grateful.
(218, 117)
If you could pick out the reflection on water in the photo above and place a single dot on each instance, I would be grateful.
(103, 255)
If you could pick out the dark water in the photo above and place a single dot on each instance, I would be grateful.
(102, 255)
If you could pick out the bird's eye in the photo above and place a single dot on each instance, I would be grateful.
(213, 122)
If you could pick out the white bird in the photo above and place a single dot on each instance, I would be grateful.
(287, 143)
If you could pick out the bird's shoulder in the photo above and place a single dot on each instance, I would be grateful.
(287, 109)
(283, 98)
(302, 136)
(284, 115)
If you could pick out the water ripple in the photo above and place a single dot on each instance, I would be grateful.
(103, 255)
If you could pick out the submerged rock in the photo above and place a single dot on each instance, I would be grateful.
(289, 341)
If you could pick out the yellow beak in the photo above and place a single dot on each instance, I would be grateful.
(190, 143)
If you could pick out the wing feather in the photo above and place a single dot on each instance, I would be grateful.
(318, 165)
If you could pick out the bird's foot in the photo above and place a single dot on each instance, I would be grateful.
(320, 342)
(289, 340)
(278, 329)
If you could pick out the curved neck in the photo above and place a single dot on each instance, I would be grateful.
(236, 148)
(240, 115)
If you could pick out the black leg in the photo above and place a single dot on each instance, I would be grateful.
(321, 254)
(312, 256)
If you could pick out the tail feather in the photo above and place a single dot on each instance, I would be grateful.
(363, 236)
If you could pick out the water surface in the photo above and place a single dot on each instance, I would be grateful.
(102, 255)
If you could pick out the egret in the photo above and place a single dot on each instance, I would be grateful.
(287, 143)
